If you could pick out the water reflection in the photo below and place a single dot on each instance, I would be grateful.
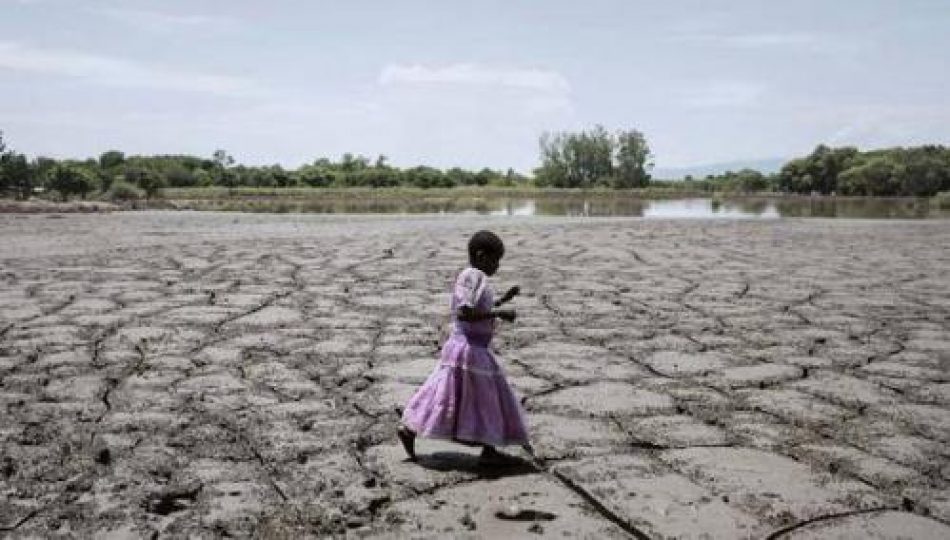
(575, 207)
(710, 208)
(581, 206)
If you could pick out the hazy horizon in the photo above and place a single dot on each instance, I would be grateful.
(470, 85)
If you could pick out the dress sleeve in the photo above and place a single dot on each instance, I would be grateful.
(470, 286)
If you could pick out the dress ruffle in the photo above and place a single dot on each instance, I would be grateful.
(467, 398)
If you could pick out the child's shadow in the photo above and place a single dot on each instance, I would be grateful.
(472, 464)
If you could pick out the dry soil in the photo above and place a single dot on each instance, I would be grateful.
(187, 374)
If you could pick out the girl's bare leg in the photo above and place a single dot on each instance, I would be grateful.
(408, 439)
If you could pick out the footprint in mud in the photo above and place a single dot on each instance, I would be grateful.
(172, 500)
(515, 513)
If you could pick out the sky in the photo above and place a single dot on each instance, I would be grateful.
(470, 84)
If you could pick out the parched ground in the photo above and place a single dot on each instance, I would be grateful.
(210, 375)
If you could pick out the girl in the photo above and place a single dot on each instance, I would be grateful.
(466, 398)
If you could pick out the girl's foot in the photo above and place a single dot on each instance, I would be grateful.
(490, 456)
(465, 443)
(408, 440)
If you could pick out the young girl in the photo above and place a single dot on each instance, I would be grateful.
(466, 398)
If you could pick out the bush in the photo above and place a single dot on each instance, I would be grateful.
(120, 190)
(147, 179)
(70, 180)
(942, 200)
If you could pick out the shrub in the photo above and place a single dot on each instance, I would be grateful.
(70, 180)
(120, 190)
(147, 179)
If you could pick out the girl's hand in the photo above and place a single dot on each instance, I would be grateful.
(507, 315)
(512, 292)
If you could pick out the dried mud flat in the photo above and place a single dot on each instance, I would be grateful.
(189, 374)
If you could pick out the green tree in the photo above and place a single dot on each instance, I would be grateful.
(879, 176)
(16, 175)
(485, 177)
(111, 159)
(593, 158)
(920, 171)
(313, 176)
(750, 180)
(589, 157)
(281, 177)
(794, 177)
(42, 166)
(177, 175)
(460, 177)
(3, 176)
(553, 171)
(203, 178)
(425, 177)
(351, 163)
(69, 180)
(633, 156)
(926, 171)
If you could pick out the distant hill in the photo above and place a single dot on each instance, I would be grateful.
(764, 166)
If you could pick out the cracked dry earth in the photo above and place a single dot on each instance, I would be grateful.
(211, 375)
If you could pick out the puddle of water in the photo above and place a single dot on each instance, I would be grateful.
(693, 208)
(707, 208)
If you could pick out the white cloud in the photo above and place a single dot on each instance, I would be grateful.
(157, 21)
(539, 80)
(723, 94)
(772, 41)
(111, 71)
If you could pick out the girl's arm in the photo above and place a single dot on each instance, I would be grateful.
(512, 292)
(469, 314)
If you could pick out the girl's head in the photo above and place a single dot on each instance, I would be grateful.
(485, 249)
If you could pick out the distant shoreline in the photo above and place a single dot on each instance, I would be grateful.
(494, 191)
(484, 200)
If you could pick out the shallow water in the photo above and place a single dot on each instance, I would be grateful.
(700, 208)
(581, 206)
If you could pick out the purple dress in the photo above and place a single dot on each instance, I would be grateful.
(466, 397)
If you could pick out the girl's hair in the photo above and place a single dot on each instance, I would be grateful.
(485, 241)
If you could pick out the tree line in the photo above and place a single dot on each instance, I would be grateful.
(920, 171)
(119, 176)
(592, 158)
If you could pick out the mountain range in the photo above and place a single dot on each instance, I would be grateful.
(764, 166)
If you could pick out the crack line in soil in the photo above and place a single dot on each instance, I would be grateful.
(745, 290)
(785, 530)
(32, 514)
(605, 512)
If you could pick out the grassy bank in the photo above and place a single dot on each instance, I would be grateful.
(420, 193)
(656, 192)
